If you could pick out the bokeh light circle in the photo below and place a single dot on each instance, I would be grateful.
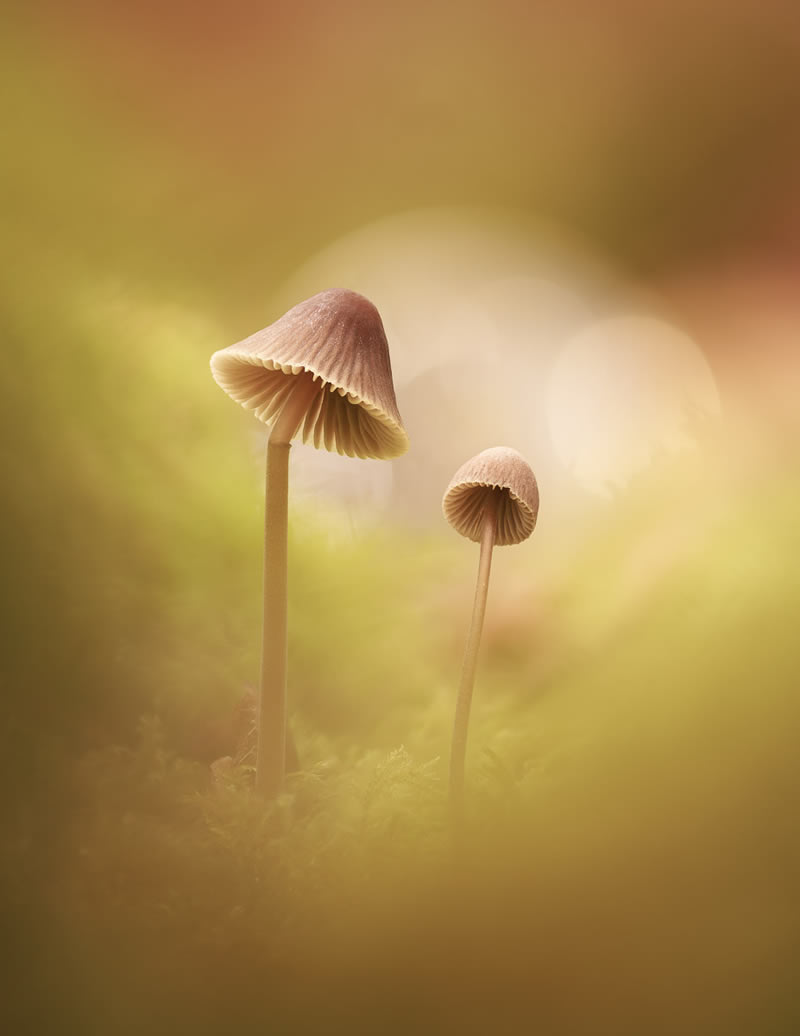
(623, 391)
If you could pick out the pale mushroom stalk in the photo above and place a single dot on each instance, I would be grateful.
(272, 715)
(467, 682)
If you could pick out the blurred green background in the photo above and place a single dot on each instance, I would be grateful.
(173, 179)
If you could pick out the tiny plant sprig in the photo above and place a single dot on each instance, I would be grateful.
(493, 500)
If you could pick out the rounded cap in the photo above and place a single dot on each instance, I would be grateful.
(499, 468)
(338, 337)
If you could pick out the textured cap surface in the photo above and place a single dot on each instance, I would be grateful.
(338, 337)
(499, 468)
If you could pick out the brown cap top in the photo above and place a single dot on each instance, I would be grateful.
(338, 337)
(499, 468)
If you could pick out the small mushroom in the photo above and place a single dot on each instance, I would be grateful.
(493, 500)
(321, 373)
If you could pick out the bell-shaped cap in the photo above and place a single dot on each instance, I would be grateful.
(338, 337)
(499, 468)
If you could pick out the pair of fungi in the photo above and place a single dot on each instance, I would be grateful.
(322, 374)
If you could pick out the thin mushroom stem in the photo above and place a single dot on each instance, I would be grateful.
(271, 757)
(459, 747)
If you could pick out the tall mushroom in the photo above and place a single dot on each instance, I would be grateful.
(322, 372)
(493, 500)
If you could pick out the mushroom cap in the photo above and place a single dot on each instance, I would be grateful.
(499, 468)
(338, 337)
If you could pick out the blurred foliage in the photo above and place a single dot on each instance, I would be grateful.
(630, 862)
(631, 857)
(212, 150)
(632, 840)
